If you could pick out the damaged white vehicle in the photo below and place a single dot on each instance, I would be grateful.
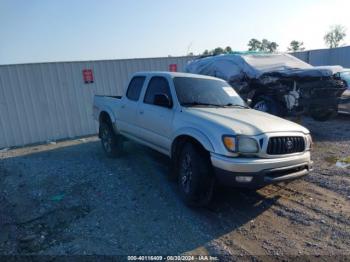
(279, 84)
(208, 131)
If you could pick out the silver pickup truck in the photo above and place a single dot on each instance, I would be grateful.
(208, 131)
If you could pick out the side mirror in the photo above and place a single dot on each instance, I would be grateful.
(162, 100)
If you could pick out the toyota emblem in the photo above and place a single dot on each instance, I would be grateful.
(289, 144)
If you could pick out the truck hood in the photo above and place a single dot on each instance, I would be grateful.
(246, 121)
(231, 67)
(317, 71)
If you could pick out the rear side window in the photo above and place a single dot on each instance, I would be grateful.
(135, 87)
(157, 85)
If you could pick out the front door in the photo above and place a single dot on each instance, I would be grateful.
(156, 121)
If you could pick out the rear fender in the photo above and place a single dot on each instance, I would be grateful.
(109, 112)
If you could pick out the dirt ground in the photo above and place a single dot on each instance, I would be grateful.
(68, 198)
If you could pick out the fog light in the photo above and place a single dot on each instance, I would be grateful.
(244, 179)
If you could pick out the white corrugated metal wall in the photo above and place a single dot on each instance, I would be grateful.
(50, 101)
(334, 56)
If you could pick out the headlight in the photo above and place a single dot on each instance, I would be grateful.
(247, 145)
(308, 142)
(240, 144)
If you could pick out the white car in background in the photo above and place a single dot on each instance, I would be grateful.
(344, 107)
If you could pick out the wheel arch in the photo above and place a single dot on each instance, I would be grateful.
(190, 135)
(105, 117)
(105, 114)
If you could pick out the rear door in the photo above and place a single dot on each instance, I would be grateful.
(156, 121)
(127, 112)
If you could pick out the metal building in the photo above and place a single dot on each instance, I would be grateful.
(333, 56)
(51, 101)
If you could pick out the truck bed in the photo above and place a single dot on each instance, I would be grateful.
(117, 97)
(101, 101)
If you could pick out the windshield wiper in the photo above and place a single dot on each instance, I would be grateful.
(195, 103)
(200, 104)
(236, 105)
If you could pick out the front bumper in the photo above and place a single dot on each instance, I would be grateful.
(261, 171)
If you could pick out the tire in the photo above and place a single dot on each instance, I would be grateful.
(111, 143)
(267, 105)
(195, 179)
(323, 115)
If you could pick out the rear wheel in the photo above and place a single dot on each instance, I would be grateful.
(111, 143)
(323, 114)
(195, 178)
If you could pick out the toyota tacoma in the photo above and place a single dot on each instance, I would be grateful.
(208, 131)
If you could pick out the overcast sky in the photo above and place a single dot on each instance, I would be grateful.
(66, 30)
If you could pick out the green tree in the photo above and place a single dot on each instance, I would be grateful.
(267, 46)
(263, 46)
(228, 50)
(206, 52)
(218, 51)
(272, 47)
(295, 46)
(254, 45)
(335, 36)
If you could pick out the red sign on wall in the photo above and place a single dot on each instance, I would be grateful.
(173, 67)
(88, 76)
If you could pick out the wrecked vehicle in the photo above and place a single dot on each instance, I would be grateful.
(279, 84)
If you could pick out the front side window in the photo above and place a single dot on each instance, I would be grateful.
(193, 91)
(157, 85)
(135, 87)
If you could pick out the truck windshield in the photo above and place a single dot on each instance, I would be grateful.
(193, 91)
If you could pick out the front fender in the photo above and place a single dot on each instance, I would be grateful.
(196, 134)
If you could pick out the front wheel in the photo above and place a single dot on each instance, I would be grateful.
(195, 178)
(267, 105)
(111, 143)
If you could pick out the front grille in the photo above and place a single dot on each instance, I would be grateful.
(285, 145)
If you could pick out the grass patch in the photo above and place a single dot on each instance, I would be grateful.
(331, 160)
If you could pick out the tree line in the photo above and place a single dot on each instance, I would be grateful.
(333, 38)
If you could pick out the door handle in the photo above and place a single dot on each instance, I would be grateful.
(141, 112)
(122, 106)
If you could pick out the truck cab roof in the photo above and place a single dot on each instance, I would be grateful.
(173, 74)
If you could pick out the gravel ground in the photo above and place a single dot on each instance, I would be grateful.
(68, 198)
